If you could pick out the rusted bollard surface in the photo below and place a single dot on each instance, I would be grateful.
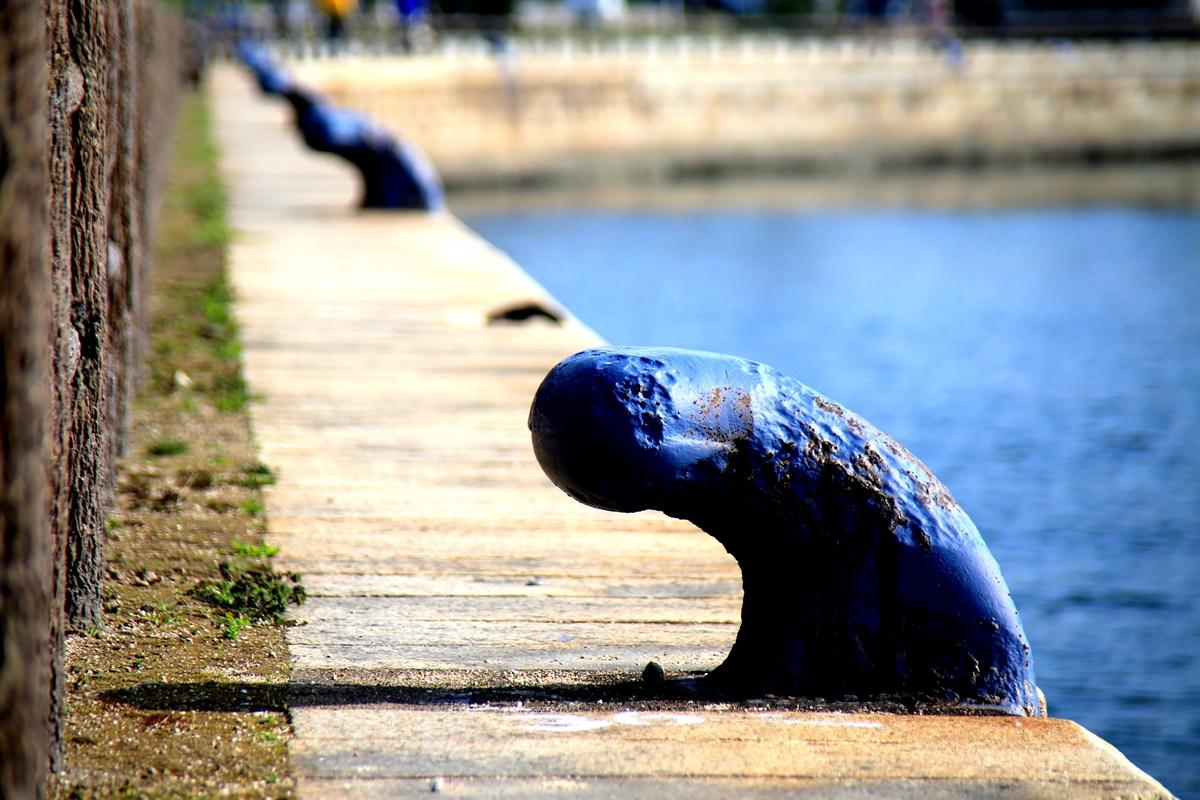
(861, 574)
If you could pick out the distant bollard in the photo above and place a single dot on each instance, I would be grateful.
(325, 128)
(862, 577)
(394, 174)
(406, 179)
(272, 79)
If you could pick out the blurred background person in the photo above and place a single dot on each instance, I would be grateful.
(336, 12)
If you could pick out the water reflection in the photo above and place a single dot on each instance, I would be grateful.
(1169, 185)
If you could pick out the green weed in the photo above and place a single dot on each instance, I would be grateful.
(258, 593)
(232, 624)
(230, 393)
(254, 550)
(167, 447)
(253, 506)
(217, 307)
(162, 614)
(257, 475)
(207, 201)
(205, 198)
(229, 350)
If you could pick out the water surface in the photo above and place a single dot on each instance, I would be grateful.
(1045, 363)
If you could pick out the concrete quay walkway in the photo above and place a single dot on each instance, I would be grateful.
(472, 631)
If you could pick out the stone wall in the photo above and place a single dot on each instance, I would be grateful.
(670, 106)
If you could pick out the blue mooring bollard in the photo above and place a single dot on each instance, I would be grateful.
(272, 79)
(395, 175)
(861, 575)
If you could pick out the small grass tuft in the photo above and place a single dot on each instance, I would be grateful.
(204, 197)
(253, 506)
(162, 614)
(230, 393)
(195, 478)
(246, 550)
(257, 593)
(167, 447)
(217, 306)
(233, 624)
(229, 350)
(257, 475)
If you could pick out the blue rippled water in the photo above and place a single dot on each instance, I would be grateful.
(1044, 363)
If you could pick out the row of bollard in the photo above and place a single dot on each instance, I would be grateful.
(862, 577)
(395, 175)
